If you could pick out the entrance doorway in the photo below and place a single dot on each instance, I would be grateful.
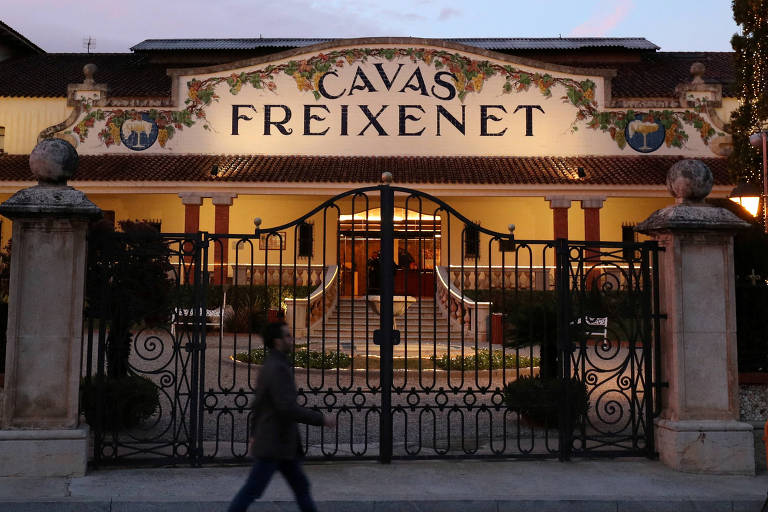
(417, 239)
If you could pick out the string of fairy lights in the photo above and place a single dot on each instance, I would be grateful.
(752, 70)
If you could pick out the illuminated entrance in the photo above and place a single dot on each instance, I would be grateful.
(417, 252)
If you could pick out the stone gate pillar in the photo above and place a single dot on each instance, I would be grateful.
(698, 429)
(40, 433)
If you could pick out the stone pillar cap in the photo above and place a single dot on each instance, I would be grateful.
(53, 161)
(690, 182)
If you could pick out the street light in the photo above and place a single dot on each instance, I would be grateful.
(747, 195)
(757, 140)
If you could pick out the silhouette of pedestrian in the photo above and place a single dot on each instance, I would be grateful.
(275, 442)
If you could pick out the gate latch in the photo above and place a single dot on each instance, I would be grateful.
(377, 335)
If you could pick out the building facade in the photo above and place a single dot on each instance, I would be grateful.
(560, 137)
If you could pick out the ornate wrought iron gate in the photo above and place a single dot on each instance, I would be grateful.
(425, 333)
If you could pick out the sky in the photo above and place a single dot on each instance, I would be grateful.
(62, 25)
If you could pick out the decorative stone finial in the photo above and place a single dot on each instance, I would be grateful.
(53, 161)
(257, 222)
(386, 178)
(689, 181)
(89, 70)
(697, 71)
(511, 228)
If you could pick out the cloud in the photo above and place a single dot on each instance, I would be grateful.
(447, 13)
(603, 22)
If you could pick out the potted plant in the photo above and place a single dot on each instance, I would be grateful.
(538, 400)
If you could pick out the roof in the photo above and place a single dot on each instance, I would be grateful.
(651, 75)
(493, 43)
(657, 74)
(13, 38)
(47, 75)
(600, 170)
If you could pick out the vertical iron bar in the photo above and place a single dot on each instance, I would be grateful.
(563, 340)
(200, 261)
(647, 339)
(657, 375)
(387, 292)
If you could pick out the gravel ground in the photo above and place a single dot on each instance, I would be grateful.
(458, 421)
(753, 402)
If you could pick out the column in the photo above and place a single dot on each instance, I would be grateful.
(221, 204)
(591, 207)
(698, 429)
(192, 202)
(560, 206)
(40, 432)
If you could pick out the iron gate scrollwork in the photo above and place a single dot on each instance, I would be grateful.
(423, 332)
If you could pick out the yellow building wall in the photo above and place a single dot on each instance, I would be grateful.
(531, 215)
(25, 118)
(627, 210)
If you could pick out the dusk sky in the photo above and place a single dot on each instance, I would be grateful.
(61, 25)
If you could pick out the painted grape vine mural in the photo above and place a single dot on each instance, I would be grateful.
(469, 76)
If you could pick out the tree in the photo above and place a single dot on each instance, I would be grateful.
(751, 49)
(127, 285)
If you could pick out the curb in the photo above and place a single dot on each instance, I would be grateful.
(619, 505)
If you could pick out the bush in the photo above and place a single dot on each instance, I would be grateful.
(538, 399)
(303, 358)
(485, 360)
(114, 404)
(251, 303)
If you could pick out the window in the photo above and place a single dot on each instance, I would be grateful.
(305, 239)
(471, 241)
(2, 140)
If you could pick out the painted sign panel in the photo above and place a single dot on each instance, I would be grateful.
(390, 100)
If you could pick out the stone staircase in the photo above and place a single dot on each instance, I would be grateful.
(347, 322)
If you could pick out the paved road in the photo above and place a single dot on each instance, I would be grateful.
(414, 486)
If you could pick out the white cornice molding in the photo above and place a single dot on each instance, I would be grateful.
(311, 188)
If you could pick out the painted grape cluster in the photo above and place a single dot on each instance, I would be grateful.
(469, 77)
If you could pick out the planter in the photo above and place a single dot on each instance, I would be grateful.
(753, 378)
(537, 400)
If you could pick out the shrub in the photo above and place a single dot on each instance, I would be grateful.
(114, 404)
(485, 360)
(538, 399)
(303, 358)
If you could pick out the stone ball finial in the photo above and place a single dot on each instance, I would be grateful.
(257, 222)
(53, 161)
(89, 70)
(697, 71)
(689, 181)
(386, 178)
(511, 228)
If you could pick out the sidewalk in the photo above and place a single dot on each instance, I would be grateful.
(413, 486)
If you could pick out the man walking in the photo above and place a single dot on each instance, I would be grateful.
(275, 440)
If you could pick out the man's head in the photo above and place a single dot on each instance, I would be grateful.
(277, 336)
